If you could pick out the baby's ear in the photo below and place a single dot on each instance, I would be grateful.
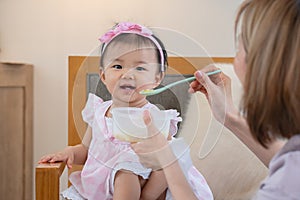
(102, 75)
(159, 77)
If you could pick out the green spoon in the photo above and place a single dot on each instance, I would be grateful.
(149, 92)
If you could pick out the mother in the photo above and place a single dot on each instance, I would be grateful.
(268, 65)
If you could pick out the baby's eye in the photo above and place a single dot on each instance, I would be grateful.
(140, 68)
(117, 66)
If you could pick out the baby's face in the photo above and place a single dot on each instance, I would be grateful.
(128, 72)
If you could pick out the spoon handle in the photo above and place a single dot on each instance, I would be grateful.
(191, 79)
(213, 72)
(181, 81)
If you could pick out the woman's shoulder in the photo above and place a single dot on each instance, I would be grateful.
(288, 157)
(285, 168)
(284, 176)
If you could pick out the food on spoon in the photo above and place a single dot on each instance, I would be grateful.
(146, 91)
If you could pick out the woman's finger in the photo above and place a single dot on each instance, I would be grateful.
(152, 130)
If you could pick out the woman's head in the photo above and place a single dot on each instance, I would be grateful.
(270, 36)
(132, 59)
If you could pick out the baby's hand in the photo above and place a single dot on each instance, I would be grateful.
(169, 137)
(66, 155)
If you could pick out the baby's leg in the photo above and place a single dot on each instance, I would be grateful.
(155, 186)
(126, 186)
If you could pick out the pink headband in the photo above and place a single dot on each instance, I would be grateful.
(127, 27)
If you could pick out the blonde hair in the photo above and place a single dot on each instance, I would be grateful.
(270, 32)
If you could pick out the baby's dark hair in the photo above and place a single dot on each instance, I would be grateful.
(165, 54)
(141, 42)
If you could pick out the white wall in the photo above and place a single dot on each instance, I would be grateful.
(45, 33)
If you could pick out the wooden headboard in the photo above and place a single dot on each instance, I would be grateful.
(81, 66)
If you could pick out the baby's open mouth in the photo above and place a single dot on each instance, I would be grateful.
(127, 87)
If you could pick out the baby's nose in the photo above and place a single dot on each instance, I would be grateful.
(129, 74)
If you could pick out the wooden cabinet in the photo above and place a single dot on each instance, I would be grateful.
(16, 127)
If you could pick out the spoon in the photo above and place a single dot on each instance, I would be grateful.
(149, 92)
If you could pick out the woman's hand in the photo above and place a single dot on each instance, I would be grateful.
(154, 152)
(67, 155)
(217, 89)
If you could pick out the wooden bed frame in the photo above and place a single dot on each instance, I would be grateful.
(48, 175)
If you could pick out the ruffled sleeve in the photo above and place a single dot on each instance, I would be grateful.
(89, 110)
(174, 121)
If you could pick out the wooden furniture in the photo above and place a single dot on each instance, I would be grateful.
(82, 72)
(47, 181)
(82, 68)
(16, 111)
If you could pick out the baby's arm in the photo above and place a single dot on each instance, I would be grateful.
(155, 186)
(72, 154)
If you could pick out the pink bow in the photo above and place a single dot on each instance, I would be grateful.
(125, 27)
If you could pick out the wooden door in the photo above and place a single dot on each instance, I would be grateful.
(16, 131)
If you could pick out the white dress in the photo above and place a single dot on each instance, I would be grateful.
(107, 155)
